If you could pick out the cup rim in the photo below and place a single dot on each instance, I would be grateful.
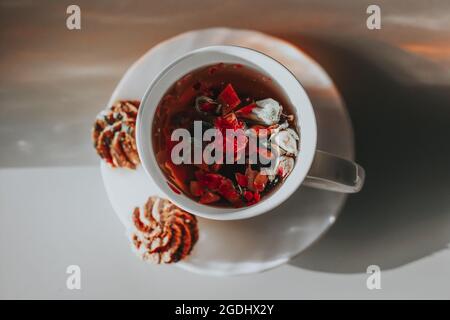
(228, 54)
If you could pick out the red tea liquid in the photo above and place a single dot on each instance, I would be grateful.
(177, 110)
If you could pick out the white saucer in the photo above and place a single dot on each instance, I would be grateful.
(269, 240)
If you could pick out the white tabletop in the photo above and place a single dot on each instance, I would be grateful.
(65, 219)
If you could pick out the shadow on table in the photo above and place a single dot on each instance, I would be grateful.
(402, 129)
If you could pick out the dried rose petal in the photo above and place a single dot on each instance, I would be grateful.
(248, 195)
(212, 180)
(246, 110)
(230, 121)
(238, 141)
(250, 174)
(226, 188)
(241, 179)
(178, 173)
(260, 182)
(229, 99)
(209, 197)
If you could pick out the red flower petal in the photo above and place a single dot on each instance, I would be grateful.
(229, 99)
(241, 179)
(211, 181)
(179, 173)
(260, 182)
(209, 197)
(248, 195)
(227, 190)
(196, 189)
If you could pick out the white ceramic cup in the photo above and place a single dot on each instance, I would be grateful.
(312, 167)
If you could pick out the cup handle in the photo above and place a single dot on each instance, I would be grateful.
(330, 172)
